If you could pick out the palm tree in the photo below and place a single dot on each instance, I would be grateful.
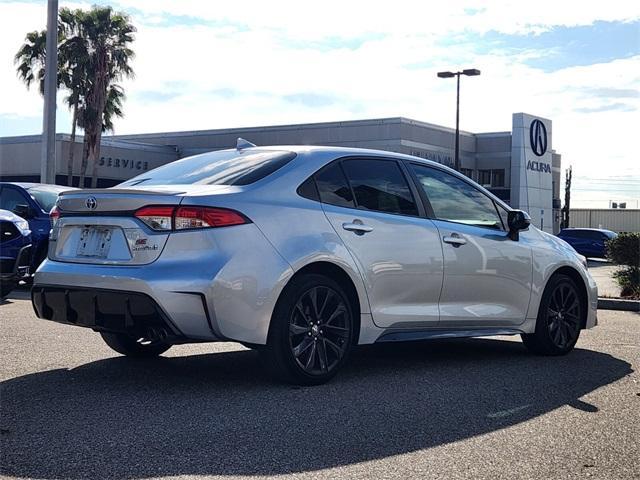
(30, 59)
(73, 55)
(109, 36)
(93, 54)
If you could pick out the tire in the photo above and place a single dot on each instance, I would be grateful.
(6, 288)
(311, 333)
(130, 347)
(559, 318)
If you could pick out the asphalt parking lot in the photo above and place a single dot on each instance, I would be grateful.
(73, 409)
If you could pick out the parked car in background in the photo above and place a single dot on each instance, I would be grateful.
(33, 202)
(15, 250)
(590, 242)
(302, 252)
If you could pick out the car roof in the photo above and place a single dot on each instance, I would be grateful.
(343, 151)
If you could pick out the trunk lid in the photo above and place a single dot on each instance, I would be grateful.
(97, 226)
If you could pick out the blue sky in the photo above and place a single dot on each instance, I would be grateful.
(206, 65)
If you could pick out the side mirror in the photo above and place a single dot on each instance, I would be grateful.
(22, 211)
(517, 220)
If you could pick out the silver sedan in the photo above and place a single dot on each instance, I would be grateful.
(303, 253)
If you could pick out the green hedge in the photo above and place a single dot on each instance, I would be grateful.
(624, 250)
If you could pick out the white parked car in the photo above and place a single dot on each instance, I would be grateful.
(304, 252)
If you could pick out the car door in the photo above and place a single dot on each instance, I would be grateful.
(487, 276)
(372, 208)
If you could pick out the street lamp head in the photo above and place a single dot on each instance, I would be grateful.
(471, 72)
(446, 74)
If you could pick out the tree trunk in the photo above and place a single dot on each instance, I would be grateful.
(85, 159)
(94, 154)
(99, 99)
(72, 146)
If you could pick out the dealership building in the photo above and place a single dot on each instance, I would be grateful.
(519, 166)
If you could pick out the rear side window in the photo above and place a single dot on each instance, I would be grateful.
(333, 187)
(225, 167)
(380, 185)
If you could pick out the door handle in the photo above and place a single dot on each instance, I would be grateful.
(357, 227)
(454, 239)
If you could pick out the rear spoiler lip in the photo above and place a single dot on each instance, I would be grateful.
(116, 191)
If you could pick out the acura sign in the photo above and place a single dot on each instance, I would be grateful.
(538, 137)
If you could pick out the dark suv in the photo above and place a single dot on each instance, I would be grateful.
(15, 248)
(33, 202)
(589, 242)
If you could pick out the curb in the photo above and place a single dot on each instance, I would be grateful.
(618, 304)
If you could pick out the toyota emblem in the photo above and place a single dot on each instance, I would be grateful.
(91, 203)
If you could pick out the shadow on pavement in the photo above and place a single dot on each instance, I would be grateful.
(218, 414)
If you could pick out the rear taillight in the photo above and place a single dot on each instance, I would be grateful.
(205, 217)
(156, 218)
(54, 215)
(164, 218)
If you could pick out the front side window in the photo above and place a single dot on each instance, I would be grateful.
(379, 185)
(455, 200)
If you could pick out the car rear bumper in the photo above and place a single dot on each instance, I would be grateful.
(212, 285)
(133, 313)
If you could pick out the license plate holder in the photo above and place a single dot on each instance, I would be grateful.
(94, 242)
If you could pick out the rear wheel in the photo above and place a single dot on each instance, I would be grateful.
(559, 318)
(6, 287)
(311, 331)
(132, 347)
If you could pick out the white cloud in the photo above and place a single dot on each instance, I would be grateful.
(233, 64)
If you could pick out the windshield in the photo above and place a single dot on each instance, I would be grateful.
(225, 167)
(46, 196)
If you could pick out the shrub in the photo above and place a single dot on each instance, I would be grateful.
(625, 250)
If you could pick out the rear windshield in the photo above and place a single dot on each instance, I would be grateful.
(225, 167)
(46, 196)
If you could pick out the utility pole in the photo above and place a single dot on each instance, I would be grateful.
(48, 155)
(567, 199)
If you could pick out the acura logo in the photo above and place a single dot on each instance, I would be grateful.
(538, 137)
(91, 203)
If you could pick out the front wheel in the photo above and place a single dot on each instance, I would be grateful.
(132, 347)
(311, 332)
(559, 318)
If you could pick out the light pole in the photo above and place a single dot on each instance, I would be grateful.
(470, 72)
(48, 154)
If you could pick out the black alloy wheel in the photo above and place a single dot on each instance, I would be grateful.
(311, 333)
(319, 330)
(563, 315)
(560, 318)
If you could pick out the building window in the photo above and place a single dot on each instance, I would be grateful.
(467, 172)
(491, 178)
(484, 178)
(497, 178)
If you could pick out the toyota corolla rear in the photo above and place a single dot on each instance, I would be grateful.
(169, 256)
